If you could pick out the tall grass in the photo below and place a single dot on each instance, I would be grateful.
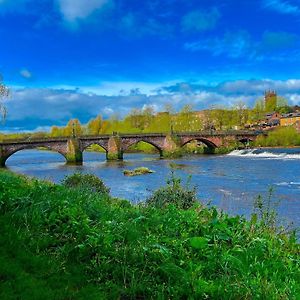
(61, 243)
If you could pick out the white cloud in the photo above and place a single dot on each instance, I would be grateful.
(119, 88)
(31, 108)
(25, 73)
(74, 10)
(281, 6)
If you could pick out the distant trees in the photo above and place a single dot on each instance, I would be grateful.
(73, 128)
(56, 131)
(282, 106)
(94, 125)
(141, 118)
(146, 120)
(258, 111)
(242, 113)
(187, 119)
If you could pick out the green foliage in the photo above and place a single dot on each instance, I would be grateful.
(94, 126)
(60, 243)
(73, 128)
(265, 209)
(173, 193)
(87, 182)
(143, 147)
(281, 136)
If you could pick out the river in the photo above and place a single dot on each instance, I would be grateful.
(231, 181)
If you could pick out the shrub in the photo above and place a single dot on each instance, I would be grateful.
(88, 182)
(174, 193)
(281, 136)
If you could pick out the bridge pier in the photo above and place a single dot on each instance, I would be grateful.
(114, 149)
(3, 157)
(73, 154)
(171, 147)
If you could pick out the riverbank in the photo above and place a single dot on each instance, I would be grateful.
(66, 243)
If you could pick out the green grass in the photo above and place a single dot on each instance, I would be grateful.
(62, 243)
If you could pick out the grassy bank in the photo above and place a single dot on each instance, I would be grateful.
(59, 242)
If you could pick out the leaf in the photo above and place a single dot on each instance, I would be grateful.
(199, 242)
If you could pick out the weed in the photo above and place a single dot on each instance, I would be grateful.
(265, 209)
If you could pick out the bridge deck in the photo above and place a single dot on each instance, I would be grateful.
(133, 135)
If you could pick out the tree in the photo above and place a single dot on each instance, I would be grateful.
(218, 115)
(73, 128)
(169, 113)
(258, 111)
(141, 118)
(136, 118)
(148, 115)
(4, 94)
(185, 120)
(94, 125)
(168, 107)
(282, 106)
(208, 122)
(242, 113)
(55, 131)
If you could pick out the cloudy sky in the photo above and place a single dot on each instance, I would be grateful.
(79, 58)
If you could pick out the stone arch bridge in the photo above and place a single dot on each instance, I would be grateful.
(115, 145)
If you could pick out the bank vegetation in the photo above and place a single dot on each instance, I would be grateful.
(75, 241)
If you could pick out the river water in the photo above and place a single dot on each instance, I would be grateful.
(231, 181)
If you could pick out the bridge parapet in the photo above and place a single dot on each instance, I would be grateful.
(115, 145)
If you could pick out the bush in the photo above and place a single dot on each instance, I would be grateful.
(88, 182)
(174, 193)
(281, 136)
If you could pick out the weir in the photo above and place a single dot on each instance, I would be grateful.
(115, 145)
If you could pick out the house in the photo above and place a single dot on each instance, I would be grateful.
(289, 119)
(272, 119)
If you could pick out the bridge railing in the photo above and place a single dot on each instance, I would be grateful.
(158, 134)
(33, 140)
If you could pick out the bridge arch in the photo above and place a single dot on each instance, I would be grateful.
(11, 152)
(127, 145)
(245, 140)
(206, 142)
(84, 148)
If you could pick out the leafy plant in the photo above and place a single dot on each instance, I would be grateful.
(173, 193)
(265, 209)
(88, 182)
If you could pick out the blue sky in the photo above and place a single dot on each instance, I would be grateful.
(78, 58)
